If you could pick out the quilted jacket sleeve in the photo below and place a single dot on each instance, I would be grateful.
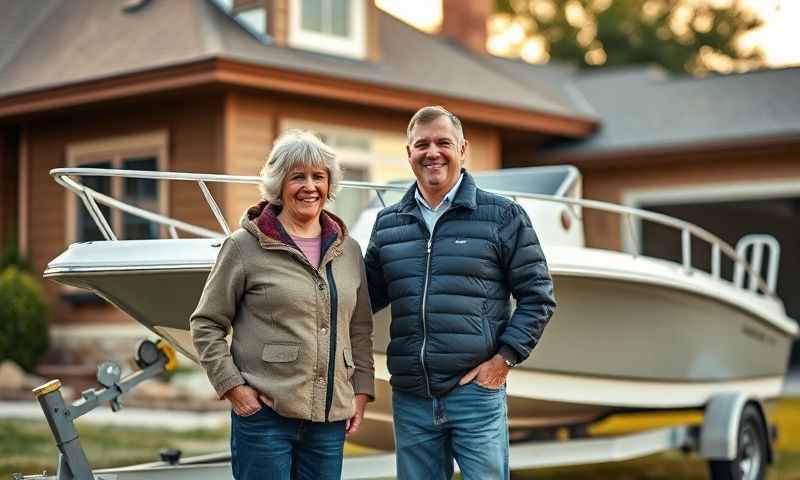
(377, 284)
(528, 279)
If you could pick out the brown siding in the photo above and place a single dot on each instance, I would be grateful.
(610, 184)
(484, 148)
(9, 176)
(484, 141)
(193, 126)
(334, 113)
(249, 132)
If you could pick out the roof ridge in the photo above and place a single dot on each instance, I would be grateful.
(459, 49)
(734, 75)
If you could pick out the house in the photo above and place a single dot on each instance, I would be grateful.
(207, 85)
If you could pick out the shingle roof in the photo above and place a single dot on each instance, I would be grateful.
(60, 42)
(647, 109)
(50, 43)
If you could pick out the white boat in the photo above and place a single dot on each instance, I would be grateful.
(630, 333)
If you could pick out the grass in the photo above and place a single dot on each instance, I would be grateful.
(27, 447)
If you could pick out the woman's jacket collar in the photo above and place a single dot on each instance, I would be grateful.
(261, 220)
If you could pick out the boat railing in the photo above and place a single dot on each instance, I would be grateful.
(91, 199)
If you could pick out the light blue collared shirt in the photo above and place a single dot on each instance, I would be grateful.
(431, 215)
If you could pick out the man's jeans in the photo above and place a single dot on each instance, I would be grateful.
(468, 424)
(267, 446)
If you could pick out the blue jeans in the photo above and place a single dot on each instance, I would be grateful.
(267, 446)
(468, 424)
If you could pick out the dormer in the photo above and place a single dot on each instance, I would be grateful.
(336, 27)
(347, 28)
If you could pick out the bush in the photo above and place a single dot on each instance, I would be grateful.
(23, 318)
(11, 256)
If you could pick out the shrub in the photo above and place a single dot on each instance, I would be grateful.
(12, 256)
(23, 318)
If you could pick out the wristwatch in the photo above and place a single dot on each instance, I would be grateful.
(509, 356)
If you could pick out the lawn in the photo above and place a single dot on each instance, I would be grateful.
(27, 447)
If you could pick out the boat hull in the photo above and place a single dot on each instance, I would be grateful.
(618, 341)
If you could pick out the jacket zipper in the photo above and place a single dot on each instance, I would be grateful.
(424, 320)
(425, 299)
(332, 338)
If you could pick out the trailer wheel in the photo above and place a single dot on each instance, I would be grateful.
(751, 458)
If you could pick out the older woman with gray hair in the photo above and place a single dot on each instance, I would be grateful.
(290, 283)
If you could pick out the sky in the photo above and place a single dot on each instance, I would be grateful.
(779, 37)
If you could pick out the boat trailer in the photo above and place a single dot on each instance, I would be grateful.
(734, 438)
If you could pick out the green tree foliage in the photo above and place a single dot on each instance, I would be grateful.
(23, 318)
(692, 36)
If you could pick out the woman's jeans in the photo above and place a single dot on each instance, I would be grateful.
(267, 446)
(468, 424)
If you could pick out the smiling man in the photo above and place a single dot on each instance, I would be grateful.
(447, 257)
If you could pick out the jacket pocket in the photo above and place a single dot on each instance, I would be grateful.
(488, 331)
(348, 363)
(280, 352)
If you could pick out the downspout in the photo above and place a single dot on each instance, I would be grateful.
(22, 192)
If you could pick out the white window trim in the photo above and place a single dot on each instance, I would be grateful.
(354, 46)
(115, 149)
(687, 194)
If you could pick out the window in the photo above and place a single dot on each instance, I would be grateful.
(329, 26)
(143, 193)
(331, 17)
(137, 152)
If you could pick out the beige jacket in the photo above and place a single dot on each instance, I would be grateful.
(279, 308)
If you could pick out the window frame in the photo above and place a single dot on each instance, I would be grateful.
(354, 45)
(116, 150)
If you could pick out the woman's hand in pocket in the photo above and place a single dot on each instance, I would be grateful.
(244, 400)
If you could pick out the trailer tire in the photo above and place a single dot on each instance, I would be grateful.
(751, 447)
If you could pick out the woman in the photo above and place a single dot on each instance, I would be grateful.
(291, 285)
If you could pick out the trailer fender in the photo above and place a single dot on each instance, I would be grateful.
(723, 413)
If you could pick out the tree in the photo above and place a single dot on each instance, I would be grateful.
(694, 36)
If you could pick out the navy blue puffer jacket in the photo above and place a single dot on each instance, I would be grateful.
(450, 302)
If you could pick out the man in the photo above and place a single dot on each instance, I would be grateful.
(446, 257)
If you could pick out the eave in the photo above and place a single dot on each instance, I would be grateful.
(690, 152)
(215, 71)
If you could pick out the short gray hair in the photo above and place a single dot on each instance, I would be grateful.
(293, 149)
(428, 114)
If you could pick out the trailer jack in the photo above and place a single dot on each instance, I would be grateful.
(153, 359)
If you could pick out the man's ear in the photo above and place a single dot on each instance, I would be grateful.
(464, 152)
